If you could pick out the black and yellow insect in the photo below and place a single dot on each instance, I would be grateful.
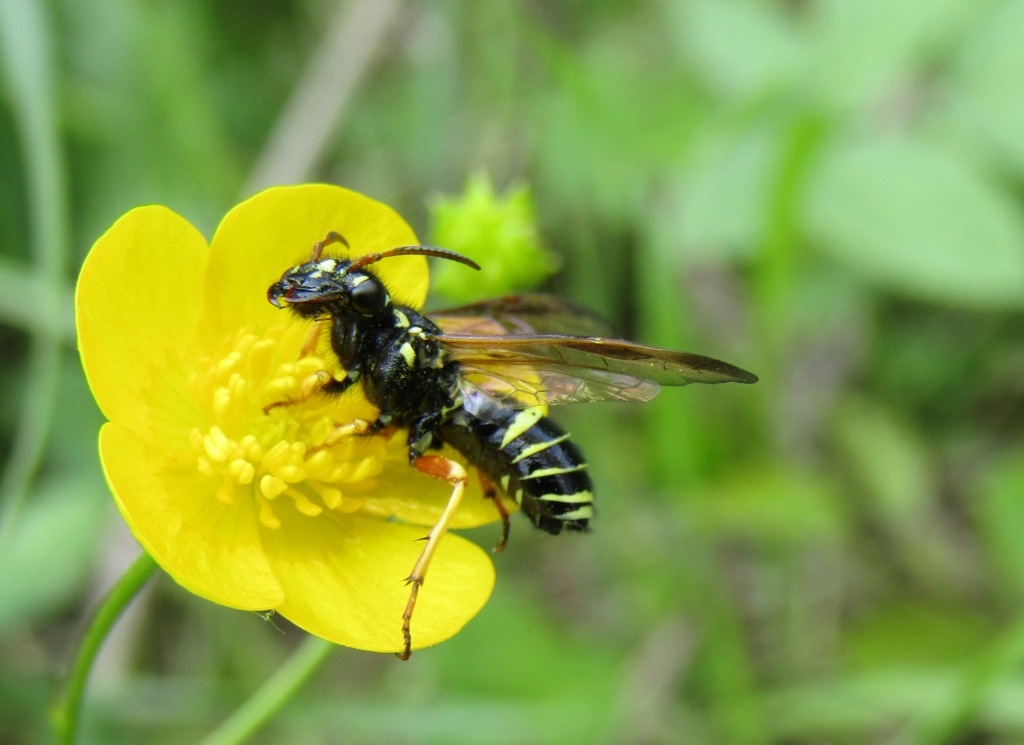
(477, 378)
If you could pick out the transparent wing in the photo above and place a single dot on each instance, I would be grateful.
(524, 370)
(524, 350)
(521, 386)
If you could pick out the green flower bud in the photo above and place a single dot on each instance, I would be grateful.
(499, 232)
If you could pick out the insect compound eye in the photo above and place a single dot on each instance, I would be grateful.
(368, 297)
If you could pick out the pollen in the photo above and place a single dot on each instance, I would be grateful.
(279, 458)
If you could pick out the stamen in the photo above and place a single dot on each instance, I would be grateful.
(272, 486)
(216, 444)
(330, 496)
(221, 401)
(303, 504)
(255, 458)
(267, 516)
(242, 470)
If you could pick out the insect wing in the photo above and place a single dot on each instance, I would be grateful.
(524, 350)
(499, 377)
(520, 386)
(553, 369)
(522, 314)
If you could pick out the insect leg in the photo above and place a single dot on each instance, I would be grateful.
(312, 341)
(354, 428)
(442, 468)
(319, 382)
(491, 492)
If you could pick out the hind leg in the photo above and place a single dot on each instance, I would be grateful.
(437, 467)
(491, 492)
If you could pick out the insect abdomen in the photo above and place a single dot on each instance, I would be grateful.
(531, 459)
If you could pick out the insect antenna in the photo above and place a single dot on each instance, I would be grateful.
(441, 253)
(332, 237)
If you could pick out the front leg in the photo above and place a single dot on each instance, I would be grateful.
(320, 382)
(357, 427)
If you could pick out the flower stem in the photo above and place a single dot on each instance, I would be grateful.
(273, 694)
(65, 714)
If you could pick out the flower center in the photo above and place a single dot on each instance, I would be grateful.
(277, 458)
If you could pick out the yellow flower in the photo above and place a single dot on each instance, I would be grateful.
(182, 351)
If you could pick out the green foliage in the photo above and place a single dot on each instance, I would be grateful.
(52, 553)
(826, 192)
(1001, 519)
(915, 219)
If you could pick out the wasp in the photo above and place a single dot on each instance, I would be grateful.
(478, 378)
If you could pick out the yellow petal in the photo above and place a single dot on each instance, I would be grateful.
(136, 301)
(276, 229)
(210, 548)
(344, 579)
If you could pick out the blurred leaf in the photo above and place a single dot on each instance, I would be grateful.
(777, 506)
(151, 129)
(908, 633)
(73, 444)
(1000, 511)
(891, 466)
(459, 720)
(515, 650)
(17, 283)
(941, 366)
(610, 120)
(51, 552)
(983, 105)
(917, 221)
(716, 209)
(890, 460)
(513, 620)
(739, 47)
(863, 47)
(857, 707)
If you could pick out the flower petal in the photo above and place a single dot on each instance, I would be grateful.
(276, 229)
(210, 548)
(344, 579)
(137, 297)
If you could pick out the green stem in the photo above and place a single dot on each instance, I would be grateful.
(273, 694)
(782, 242)
(66, 712)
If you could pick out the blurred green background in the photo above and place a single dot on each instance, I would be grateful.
(826, 192)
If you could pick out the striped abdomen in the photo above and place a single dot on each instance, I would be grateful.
(531, 459)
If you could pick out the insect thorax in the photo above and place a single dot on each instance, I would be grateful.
(404, 371)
